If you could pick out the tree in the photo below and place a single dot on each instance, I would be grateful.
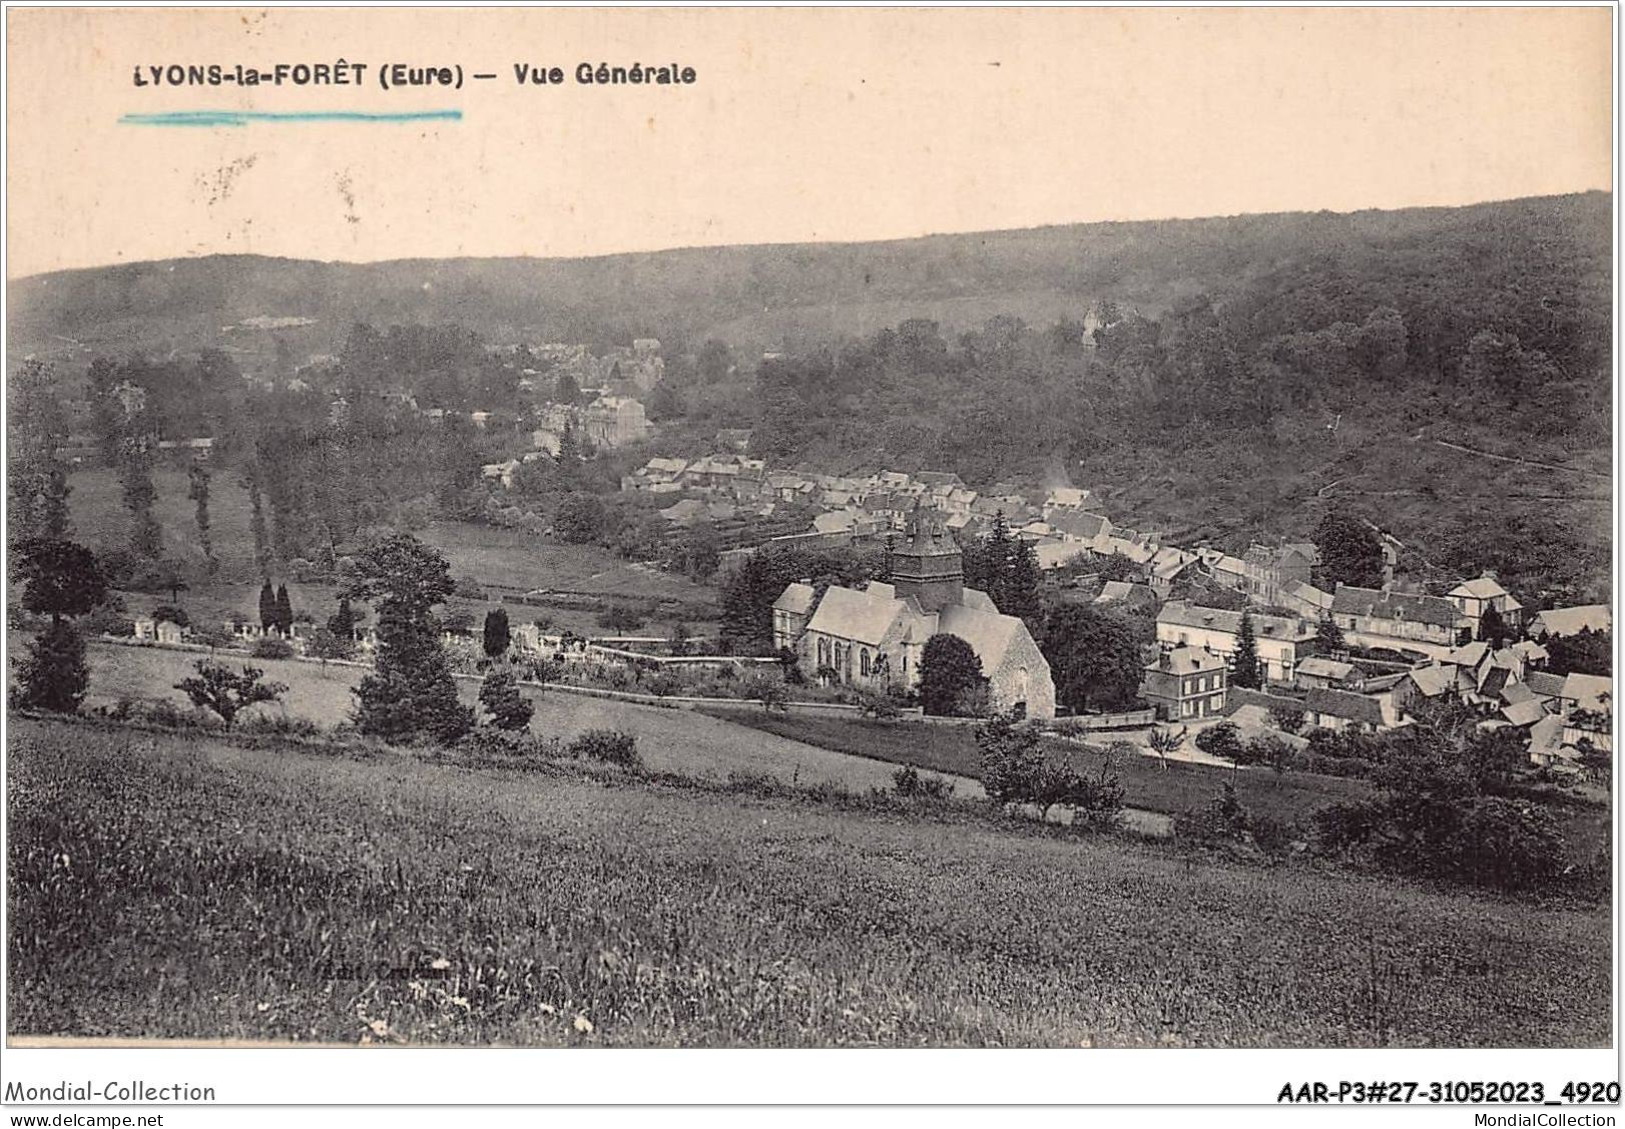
(268, 609)
(680, 635)
(496, 638)
(1492, 629)
(500, 696)
(950, 676)
(1022, 585)
(197, 489)
(227, 692)
(342, 622)
(1585, 652)
(1245, 672)
(1222, 740)
(54, 675)
(284, 610)
(1165, 742)
(37, 479)
(580, 518)
(410, 691)
(1329, 637)
(1012, 761)
(1286, 718)
(61, 578)
(1094, 657)
(135, 478)
(1350, 552)
(326, 644)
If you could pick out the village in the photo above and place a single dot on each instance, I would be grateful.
(1333, 658)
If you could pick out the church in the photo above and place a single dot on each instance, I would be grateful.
(873, 637)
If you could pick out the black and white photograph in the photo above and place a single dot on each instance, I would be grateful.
(1081, 528)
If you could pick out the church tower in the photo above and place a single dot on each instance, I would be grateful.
(928, 565)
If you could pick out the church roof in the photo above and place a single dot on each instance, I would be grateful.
(989, 633)
(862, 617)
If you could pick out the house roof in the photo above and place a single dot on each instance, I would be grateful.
(1430, 680)
(1524, 713)
(1317, 667)
(1435, 610)
(1544, 684)
(1517, 693)
(1571, 621)
(1481, 588)
(796, 598)
(1586, 690)
(1546, 735)
(1186, 660)
(1081, 525)
(1114, 590)
(1344, 704)
(1186, 614)
(1468, 654)
(1530, 651)
(1066, 496)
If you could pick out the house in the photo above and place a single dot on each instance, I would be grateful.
(1127, 596)
(1572, 621)
(1475, 597)
(1319, 673)
(1266, 571)
(1342, 709)
(502, 472)
(1185, 683)
(1395, 618)
(1065, 498)
(873, 637)
(1281, 642)
(1079, 526)
(1567, 692)
(615, 421)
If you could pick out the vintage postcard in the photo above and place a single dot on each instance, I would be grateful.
(803, 528)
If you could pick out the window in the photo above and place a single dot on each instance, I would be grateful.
(863, 662)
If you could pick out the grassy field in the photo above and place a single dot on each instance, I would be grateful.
(672, 740)
(521, 560)
(164, 885)
(483, 554)
(1147, 783)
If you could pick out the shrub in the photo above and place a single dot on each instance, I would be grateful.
(508, 709)
(1223, 740)
(610, 745)
(880, 707)
(907, 781)
(1286, 718)
(270, 647)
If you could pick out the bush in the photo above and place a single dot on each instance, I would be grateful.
(609, 745)
(1223, 740)
(270, 647)
(53, 675)
(907, 781)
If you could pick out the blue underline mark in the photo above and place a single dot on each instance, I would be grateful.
(237, 118)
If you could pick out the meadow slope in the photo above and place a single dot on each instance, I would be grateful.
(164, 885)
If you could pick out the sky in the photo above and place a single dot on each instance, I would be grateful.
(801, 125)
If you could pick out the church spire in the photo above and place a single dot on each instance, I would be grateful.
(928, 566)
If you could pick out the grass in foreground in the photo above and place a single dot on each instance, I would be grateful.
(171, 886)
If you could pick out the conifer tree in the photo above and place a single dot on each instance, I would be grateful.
(1246, 672)
(268, 609)
(284, 610)
(410, 692)
(342, 622)
(497, 638)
